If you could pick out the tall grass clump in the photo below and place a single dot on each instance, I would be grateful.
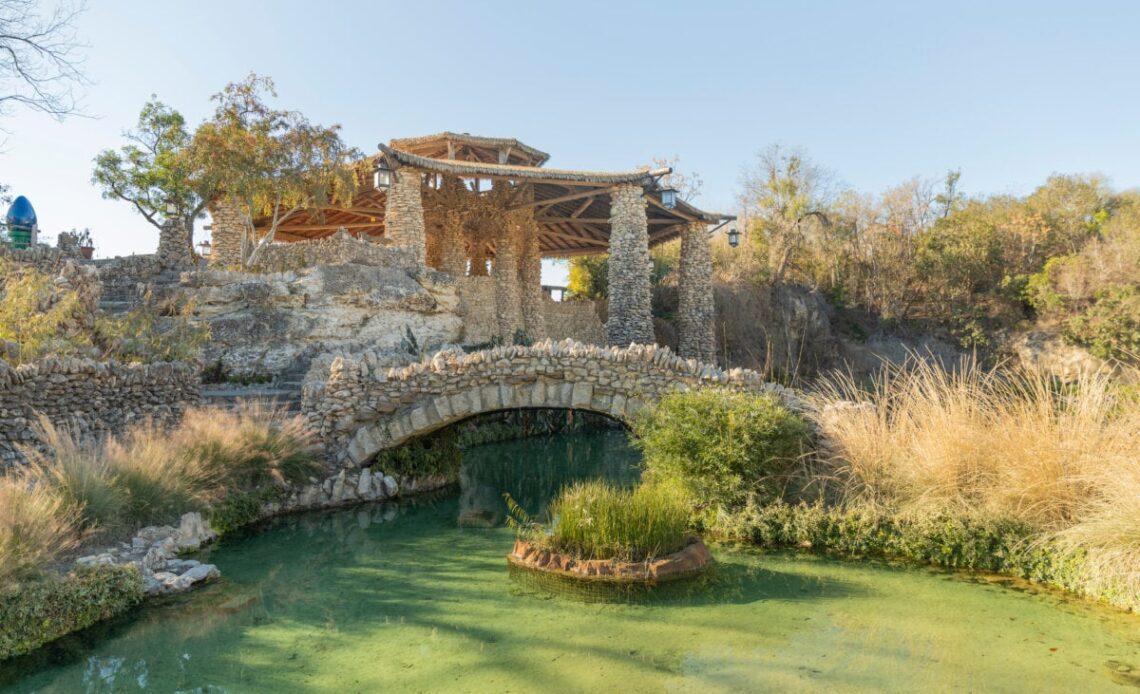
(248, 448)
(35, 529)
(723, 448)
(1063, 459)
(597, 520)
(83, 480)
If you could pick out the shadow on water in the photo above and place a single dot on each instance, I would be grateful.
(720, 584)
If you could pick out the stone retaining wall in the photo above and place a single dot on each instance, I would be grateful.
(338, 249)
(43, 258)
(90, 398)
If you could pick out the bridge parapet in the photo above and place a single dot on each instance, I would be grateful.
(363, 407)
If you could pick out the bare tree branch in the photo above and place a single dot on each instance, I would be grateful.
(40, 61)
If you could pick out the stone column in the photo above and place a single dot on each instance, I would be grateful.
(174, 244)
(452, 248)
(530, 275)
(478, 256)
(506, 273)
(227, 232)
(404, 214)
(631, 318)
(696, 313)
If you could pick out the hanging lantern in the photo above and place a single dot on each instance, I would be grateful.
(668, 198)
(382, 176)
(733, 237)
(204, 248)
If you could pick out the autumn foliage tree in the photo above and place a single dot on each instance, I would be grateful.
(269, 163)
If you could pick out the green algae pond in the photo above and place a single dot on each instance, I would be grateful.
(417, 596)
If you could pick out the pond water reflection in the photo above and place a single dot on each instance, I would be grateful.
(417, 596)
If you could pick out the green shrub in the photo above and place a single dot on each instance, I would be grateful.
(1110, 328)
(597, 520)
(36, 612)
(992, 544)
(240, 508)
(438, 454)
(721, 447)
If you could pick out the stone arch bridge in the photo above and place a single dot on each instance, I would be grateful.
(364, 408)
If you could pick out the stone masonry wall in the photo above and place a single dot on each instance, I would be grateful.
(404, 213)
(90, 398)
(530, 277)
(174, 245)
(576, 320)
(506, 274)
(696, 312)
(631, 318)
(364, 407)
(338, 249)
(477, 306)
(43, 258)
(226, 237)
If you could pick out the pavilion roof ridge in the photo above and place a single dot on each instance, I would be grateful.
(472, 168)
(479, 140)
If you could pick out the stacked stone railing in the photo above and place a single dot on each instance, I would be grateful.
(364, 408)
(89, 398)
(337, 249)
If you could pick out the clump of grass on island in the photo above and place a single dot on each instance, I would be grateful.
(597, 520)
(213, 460)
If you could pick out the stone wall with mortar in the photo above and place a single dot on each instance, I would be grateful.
(227, 230)
(696, 312)
(404, 214)
(530, 277)
(478, 308)
(363, 407)
(631, 316)
(43, 258)
(576, 320)
(89, 398)
(174, 249)
(340, 248)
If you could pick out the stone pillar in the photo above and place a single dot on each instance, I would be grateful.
(478, 256)
(530, 275)
(507, 304)
(404, 214)
(452, 248)
(174, 244)
(631, 317)
(228, 230)
(696, 313)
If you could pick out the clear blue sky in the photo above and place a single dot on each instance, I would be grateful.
(875, 91)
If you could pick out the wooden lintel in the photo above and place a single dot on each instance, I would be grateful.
(564, 198)
(597, 220)
(675, 212)
(325, 227)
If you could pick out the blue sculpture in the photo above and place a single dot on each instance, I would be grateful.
(21, 221)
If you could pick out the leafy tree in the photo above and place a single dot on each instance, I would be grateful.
(270, 163)
(152, 171)
(39, 61)
(786, 197)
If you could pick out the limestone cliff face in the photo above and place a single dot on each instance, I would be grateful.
(265, 324)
